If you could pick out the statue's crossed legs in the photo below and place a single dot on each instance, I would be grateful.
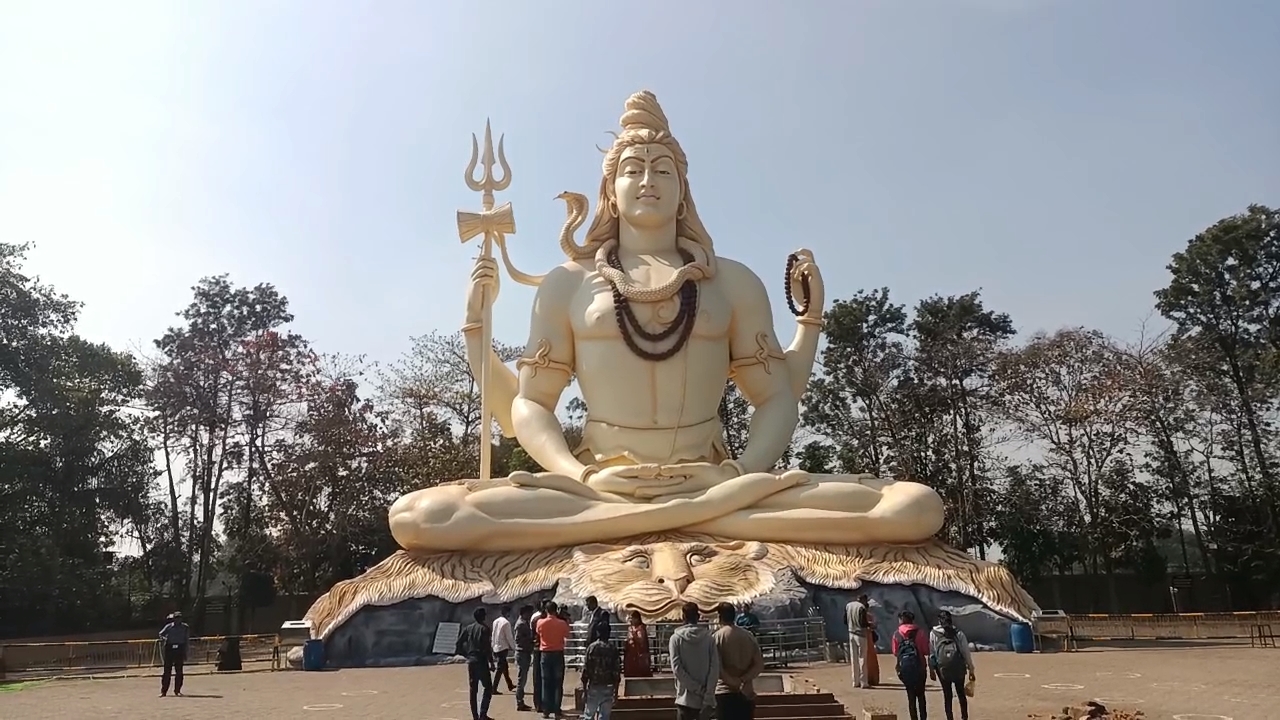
(527, 512)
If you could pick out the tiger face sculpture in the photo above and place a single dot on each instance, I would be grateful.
(658, 578)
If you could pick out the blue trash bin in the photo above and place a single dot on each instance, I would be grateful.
(313, 655)
(1020, 638)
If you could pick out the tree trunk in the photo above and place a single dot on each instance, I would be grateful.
(1113, 597)
(1205, 557)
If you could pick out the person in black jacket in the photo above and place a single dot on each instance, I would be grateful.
(475, 643)
(597, 620)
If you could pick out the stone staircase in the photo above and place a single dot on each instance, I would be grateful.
(779, 697)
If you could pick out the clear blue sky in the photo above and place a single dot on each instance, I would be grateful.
(1052, 153)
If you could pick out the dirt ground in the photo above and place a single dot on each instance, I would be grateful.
(1180, 683)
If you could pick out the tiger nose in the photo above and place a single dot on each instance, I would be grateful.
(677, 583)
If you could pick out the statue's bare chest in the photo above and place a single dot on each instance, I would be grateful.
(595, 316)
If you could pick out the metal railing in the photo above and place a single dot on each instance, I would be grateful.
(1181, 626)
(36, 660)
(795, 641)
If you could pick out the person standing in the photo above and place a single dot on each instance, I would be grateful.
(740, 663)
(553, 632)
(597, 620)
(524, 653)
(174, 637)
(855, 615)
(696, 666)
(748, 620)
(950, 662)
(601, 676)
(637, 657)
(475, 643)
(537, 654)
(504, 641)
(910, 648)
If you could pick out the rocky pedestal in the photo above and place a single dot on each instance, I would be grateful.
(390, 615)
(405, 633)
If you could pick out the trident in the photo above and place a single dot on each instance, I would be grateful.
(494, 224)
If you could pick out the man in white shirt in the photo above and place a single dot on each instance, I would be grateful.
(504, 642)
(855, 615)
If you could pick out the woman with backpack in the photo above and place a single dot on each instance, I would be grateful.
(950, 662)
(910, 650)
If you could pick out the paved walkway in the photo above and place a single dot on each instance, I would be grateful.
(1236, 683)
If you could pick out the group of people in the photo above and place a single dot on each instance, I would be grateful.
(941, 654)
(537, 640)
(713, 670)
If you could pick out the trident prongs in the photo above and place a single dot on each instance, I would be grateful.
(487, 184)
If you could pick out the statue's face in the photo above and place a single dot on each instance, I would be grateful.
(647, 186)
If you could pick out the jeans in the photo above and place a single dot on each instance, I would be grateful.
(858, 658)
(478, 677)
(552, 672)
(537, 680)
(955, 687)
(915, 696)
(174, 656)
(734, 706)
(523, 661)
(598, 702)
(503, 670)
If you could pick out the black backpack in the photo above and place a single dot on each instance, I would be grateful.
(910, 665)
(951, 665)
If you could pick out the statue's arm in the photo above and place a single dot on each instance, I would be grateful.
(545, 369)
(502, 387)
(504, 383)
(801, 354)
(759, 368)
(804, 346)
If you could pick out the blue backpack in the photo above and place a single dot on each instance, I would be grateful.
(910, 665)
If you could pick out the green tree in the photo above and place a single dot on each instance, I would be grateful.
(431, 402)
(817, 457)
(850, 402)
(331, 487)
(213, 400)
(1069, 395)
(72, 459)
(1224, 299)
(1168, 414)
(956, 340)
(1037, 524)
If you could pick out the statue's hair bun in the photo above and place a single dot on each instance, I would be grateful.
(644, 113)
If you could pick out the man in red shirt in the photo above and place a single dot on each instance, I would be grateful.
(552, 634)
(911, 648)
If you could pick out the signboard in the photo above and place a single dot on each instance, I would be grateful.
(1180, 582)
(446, 641)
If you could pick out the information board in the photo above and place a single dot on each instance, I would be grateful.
(446, 638)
